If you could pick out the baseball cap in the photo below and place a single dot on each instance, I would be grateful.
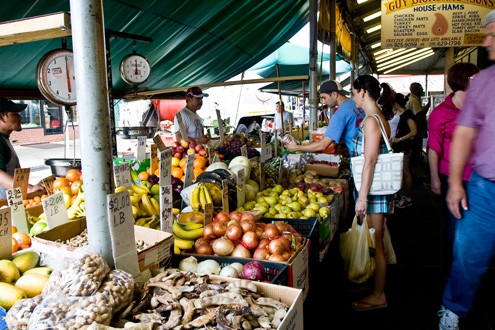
(331, 86)
(195, 92)
(9, 106)
(489, 18)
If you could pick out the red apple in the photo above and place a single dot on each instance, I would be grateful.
(184, 144)
(180, 149)
(199, 147)
(178, 155)
(203, 152)
(175, 144)
(192, 144)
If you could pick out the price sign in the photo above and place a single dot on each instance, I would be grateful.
(166, 204)
(189, 171)
(48, 184)
(159, 143)
(122, 175)
(14, 200)
(5, 234)
(220, 127)
(121, 226)
(208, 212)
(244, 151)
(21, 179)
(166, 167)
(241, 187)
(55, 211)
(141, 148)
(154, 158)
(182, 128)
(225, 195)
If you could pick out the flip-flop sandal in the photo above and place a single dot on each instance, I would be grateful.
(361, 306)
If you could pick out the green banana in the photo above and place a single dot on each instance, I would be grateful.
(154, 222)
(183, 244)
(186, 234)
(194, 198)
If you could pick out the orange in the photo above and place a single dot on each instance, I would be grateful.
(183, 163)
(177, 172)
(14, 229)
(143, 175)
(60, 182)
(197, 171)
(15, 245)
(73, 175)
(75, 186)
(200, 162)
(22, 238)
(157, 172)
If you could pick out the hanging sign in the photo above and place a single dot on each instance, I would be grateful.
(18, 212)
(182, 128)
(189, 171)
(159, 142)
(122, 175)
(419, 24)
(5, 234)
(141, 148)
(55, 211)
(166, 167)
(48, 184)
(21, 179)
(166, 205)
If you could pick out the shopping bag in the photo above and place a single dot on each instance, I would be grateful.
(388, 247)
(357, 248)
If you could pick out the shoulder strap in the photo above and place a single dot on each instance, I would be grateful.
(384, 135)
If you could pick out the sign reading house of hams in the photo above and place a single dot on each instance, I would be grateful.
(433, 23)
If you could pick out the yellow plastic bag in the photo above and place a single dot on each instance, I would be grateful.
(357, 247)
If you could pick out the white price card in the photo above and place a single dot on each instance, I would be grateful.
(21, 179)
(166, 205)
(122, 175)
(14, 200)
(121, 225)
(141, 148)
(189, 171)
(221, 132)
(241, 187)
(166, 167)
(5, 234)
(55, 211)
(182, 128)
(263, 145)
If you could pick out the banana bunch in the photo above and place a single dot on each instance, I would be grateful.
(143, 204)
(149, 222)
(78, 207)
(185, 234)
(200, 196)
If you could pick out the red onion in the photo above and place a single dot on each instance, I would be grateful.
(240, 252)
(254, 271)
(222, 246)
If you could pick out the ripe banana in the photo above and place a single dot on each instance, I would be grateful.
(175, 211)
(183, 244)
(135, 212)
(120, 189)
(186, 234)
(140, 189)
(191, 225)
(134, 177)
(194, 198)
(202, 196)
(145, 199)
(156, 205)
(142, 221)
(209, 200)
(135, 199)
(176, 249)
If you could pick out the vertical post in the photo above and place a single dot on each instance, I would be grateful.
(93, 105)
(313, 73)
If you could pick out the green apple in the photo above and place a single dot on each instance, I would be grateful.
(146, 183)
(303, 200)
(280, 216)
(273, 193)
(272, 211)
(307, 212)
(278, 189)
(285, 209)
(38, 227)
(277, 206)
(241, 209)
(322, 200)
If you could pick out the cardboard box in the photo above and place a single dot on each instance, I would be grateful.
(323, 169)
(158, 255)
(292, 297)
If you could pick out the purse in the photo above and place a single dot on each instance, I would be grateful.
(387, 177)
(357, 248)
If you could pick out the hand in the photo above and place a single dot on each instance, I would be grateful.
(435, 185)
(456, 196)
(291, 146)
(361, 206)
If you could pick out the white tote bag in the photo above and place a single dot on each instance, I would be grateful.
(387, 178)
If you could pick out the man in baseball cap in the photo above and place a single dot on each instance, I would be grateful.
(330, 86)
(191, 122)
(10, 121)
(196, 92)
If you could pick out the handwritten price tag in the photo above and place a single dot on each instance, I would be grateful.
(141, 148)
(48, 184)
(166, 204)
(159, 142)
(21, 179)
(122, 174)
(5, 234)
(182, 128)
(55, 211)
(14, 200)
(189, 171)
(166, 167)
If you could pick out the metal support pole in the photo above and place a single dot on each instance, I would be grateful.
(313, 73)
(94, 125)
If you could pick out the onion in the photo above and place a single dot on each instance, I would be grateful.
(246, 215)
(204, 249)
(235, 215)
(234, 232)
(261, 253)
(222, 217)
(241, 252)
(229, 271)
(208, 266)
(277, 246)
(218, 228)
(189, 264)
(250, 240)
(208, 231)
(222, 246)
(276, 257)
(248, 225)
(270, 231)
(282, 226)
(253, 270)
(238, 266)
(263, 243)
(259, 230)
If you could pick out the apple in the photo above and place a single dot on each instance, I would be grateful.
(203, 152)
(178, 155)
(191, 151)
(175, 144)
(199, 147)
(192, 144)
(184, 144)
(180, 149)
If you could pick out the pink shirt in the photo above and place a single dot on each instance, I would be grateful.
(441, 125)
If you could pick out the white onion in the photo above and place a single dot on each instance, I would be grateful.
(208, 266)
(189, 264)
(238, 266)
(241, 252)
(229, 271)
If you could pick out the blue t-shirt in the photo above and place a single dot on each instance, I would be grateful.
(344, 123)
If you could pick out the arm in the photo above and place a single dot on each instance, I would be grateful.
(413, 131)
(7, 182)
(433, 159)
(314, 146)
(373, 136)
(460, 151)
(178, 136)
